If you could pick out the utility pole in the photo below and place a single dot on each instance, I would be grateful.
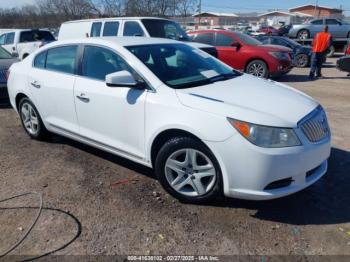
(199, 12)
(316, 9)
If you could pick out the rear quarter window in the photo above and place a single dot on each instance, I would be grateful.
(40, 60)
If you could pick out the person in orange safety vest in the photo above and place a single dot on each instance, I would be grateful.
(321, 43)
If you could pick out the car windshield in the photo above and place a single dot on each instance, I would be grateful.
(181, 66)
(165, 29)
(247, 39)
(4, 54)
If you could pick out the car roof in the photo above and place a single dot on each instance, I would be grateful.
(113, 18)
(121, 41)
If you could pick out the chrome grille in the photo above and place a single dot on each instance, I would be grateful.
(315, 127)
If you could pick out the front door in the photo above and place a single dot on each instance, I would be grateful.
(227, 53)
(110, 116)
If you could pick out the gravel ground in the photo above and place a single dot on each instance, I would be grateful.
(87, 212)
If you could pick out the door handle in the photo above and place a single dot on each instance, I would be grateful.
(83, 98)
(35, 84)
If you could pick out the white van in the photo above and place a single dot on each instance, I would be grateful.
(129, 26)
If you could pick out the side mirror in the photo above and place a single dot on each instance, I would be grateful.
(14, 55)
(123, 79)
(236, 44)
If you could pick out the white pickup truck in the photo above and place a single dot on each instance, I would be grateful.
(22, 42)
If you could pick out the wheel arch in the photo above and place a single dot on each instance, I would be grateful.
(304, 29)
(18, 98)
(256, 58)
(161, 138)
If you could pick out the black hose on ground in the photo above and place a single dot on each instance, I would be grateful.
(32, 225)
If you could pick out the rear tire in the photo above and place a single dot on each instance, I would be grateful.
(303, 34)
(257, 68)
(31, 120)
(302, 60)
(188, 170)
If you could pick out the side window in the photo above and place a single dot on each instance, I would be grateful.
(317, 22)
(223, 40)
(207, 38)
(26, 36)
(332, 22)
(62, 59)
(10, 39)
(264, 40)
(96, 29)
(40, 60)
(111, 29)
(99, 62)
(132, 28)
(2, 39)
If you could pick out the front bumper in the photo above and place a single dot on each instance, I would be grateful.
(248, 170)
(281, 68)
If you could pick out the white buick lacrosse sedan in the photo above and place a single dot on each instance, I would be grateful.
(203, 127)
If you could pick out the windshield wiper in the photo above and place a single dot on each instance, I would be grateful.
(222, 77)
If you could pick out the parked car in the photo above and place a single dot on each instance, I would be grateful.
(343, 63)
(301, 54)
(247, 54)
(6, 60)
(203, 127)
(22, 42)
(336, 28)
(268, 30)
(129, 26)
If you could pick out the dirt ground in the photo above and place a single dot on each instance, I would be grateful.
(87, 212)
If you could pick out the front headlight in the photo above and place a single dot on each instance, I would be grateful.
(279, 55)
(266, 136)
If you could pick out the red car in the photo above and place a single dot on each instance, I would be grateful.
(269, 30)
(247, 54)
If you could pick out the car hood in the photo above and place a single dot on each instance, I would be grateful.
(250, 99)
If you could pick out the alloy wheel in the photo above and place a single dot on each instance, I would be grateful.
(30, 118)
(302, 60)
(256, 69)
(303, 35)
(190, 172)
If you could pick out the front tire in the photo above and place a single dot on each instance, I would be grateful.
(257, 68)
(31, 120)
(188, 170)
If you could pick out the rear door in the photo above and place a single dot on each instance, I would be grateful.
(335, 28)
(317, 26)
(51, 81)
(112, 117)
